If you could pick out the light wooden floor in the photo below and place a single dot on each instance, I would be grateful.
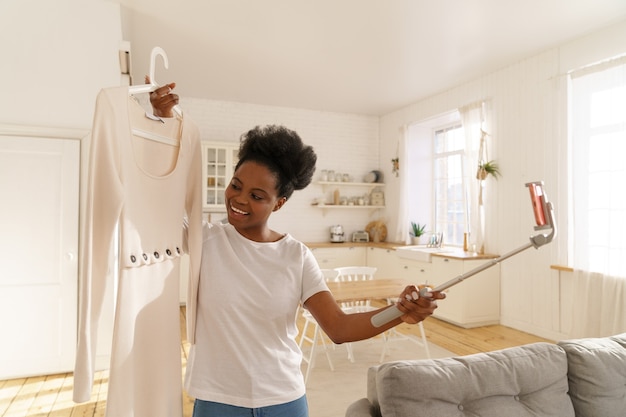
(51, 395)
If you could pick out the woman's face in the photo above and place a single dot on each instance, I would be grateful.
(251, 197)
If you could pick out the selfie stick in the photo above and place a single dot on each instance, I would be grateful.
(544, 219)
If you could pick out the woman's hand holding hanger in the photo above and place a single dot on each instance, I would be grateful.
(163, 99)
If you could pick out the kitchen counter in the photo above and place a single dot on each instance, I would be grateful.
(466, 255)
(454, 253)
(383, 245)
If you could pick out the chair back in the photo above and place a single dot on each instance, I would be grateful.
(356, 273)
(330, 275)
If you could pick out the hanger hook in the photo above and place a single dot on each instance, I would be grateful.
(157, 50)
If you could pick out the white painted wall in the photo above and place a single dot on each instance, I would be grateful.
(56, 56)
(528, 103)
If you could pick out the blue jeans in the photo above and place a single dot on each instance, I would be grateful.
(296, 408)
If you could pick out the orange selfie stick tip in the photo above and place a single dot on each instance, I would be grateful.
(538, 201)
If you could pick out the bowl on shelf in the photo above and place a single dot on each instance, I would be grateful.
(373, 176)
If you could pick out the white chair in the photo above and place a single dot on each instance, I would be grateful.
(393, 334)
(318, 335)
(355, 273)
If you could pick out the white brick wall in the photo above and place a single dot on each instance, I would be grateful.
(346, 143)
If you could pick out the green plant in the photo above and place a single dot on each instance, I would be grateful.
(417, 230)
(488, 168)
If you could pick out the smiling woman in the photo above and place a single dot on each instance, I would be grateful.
(245, 264)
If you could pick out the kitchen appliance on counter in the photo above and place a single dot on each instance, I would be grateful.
(336, 233)
(360, 236)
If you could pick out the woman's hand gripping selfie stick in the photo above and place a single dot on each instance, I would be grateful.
(544, 219)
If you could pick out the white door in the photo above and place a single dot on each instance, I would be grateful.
(39, 189)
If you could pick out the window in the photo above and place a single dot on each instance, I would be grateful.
(449, 183)
(597, 169)
(438, 187)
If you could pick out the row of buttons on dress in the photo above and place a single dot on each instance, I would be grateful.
(156, 255)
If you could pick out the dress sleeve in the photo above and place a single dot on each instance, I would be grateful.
(193, 206)
(103, 207)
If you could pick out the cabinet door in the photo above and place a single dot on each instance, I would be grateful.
(415, 272)
(39, 182)
(386, 262)
(328, 258)
(451, 309)
(473, 302)
(219, 160)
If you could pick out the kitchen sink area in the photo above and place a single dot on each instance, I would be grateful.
(423, 253)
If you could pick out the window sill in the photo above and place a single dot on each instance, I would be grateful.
(562, 268)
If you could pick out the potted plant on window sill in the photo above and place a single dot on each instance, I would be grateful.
(416, 232)
(488, 168)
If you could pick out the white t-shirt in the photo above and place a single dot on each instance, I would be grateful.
(246, 352)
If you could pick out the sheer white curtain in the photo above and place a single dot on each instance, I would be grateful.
(597, 198)
(472, 118)
(402, 225)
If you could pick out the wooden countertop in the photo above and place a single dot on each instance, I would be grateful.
(469, 256)
(383, 245)
(466, 256)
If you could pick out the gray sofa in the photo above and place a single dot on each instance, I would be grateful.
(582, 378)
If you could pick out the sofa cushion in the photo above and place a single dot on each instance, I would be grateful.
(523, 381)
(597, 375)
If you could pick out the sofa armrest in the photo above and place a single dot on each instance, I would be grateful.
(597, 375)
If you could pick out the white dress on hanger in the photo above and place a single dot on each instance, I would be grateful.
(146, 188)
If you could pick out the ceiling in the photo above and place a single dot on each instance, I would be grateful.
(366, 57)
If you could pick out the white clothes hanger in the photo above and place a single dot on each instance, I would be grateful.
(153, 136)
(148, 88)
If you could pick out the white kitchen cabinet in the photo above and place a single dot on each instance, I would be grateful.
(328, 258)
(390, 265)
(386, 262)
(473, 302)
(218, 165)
(415, 272)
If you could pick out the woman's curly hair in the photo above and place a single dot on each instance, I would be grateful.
(282, 151)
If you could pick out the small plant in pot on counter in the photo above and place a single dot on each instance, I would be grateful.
(416, 231)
